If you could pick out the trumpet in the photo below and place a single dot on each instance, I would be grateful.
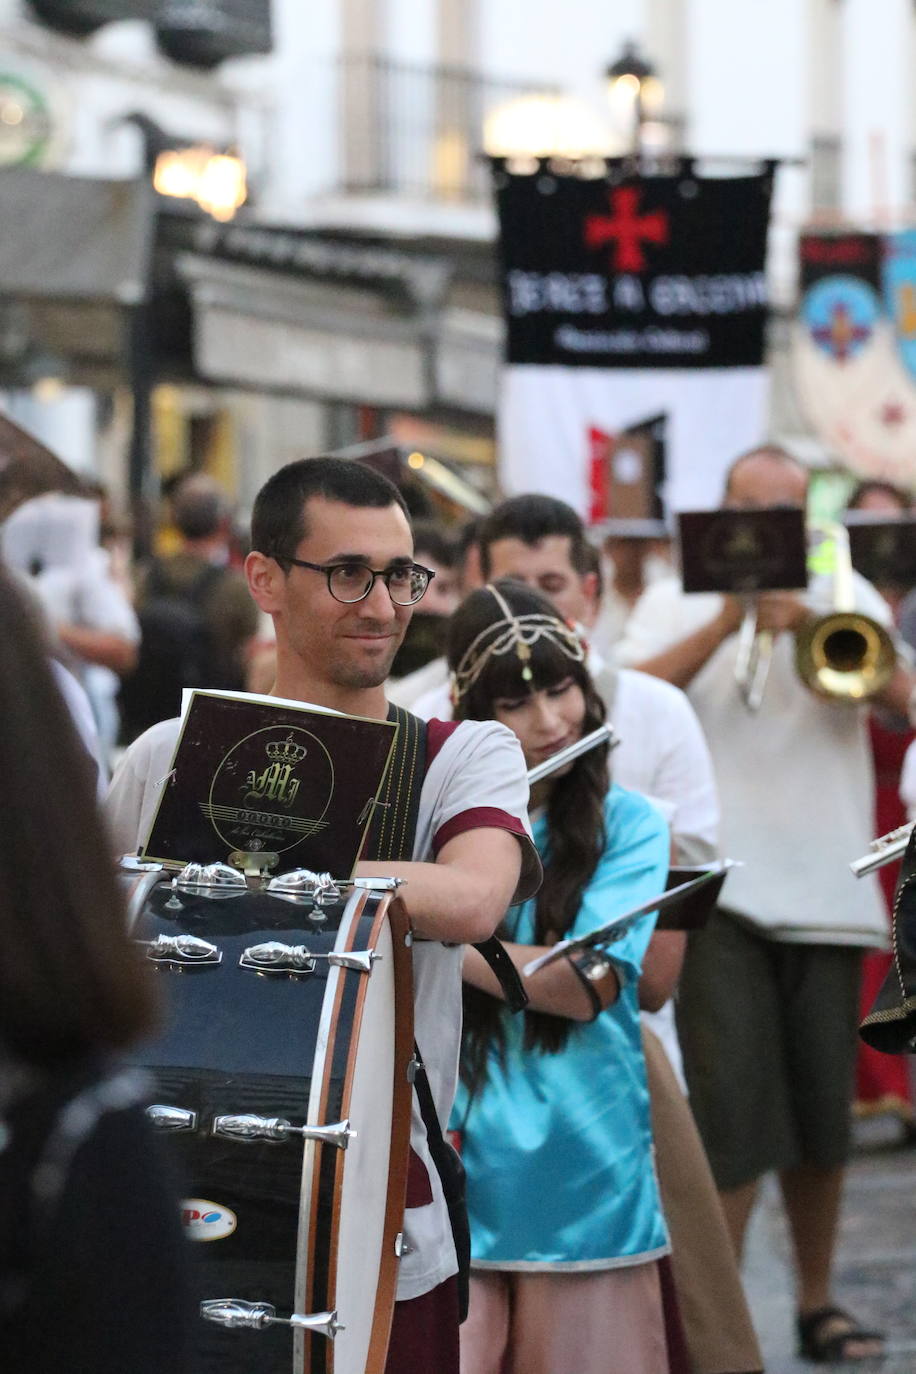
(755, 654)
(844, 655)
(884, 850)
(841, 656)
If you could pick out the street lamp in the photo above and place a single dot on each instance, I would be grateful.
(544, 125)
(634, 87)
(216, 180)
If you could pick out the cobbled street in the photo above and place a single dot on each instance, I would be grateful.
(876, 1264)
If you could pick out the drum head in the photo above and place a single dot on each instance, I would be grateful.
(300, 1224)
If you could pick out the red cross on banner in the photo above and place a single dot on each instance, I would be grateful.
(626, 229)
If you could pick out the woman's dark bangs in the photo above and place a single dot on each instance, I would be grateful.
(502, 677)
(550, 665)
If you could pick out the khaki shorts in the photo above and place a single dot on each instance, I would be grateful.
(768, 1031)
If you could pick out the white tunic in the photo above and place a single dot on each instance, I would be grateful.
(795, 778)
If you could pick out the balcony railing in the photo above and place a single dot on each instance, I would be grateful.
(418, 131)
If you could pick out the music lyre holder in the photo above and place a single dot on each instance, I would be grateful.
(612, 931)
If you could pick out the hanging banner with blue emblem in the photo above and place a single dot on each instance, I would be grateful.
(854, 349)
(628, 297)
(900, 293)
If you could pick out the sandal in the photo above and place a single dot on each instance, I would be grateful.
(825, 1335)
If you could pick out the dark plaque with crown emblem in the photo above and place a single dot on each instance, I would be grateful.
(743, 551)
(883, 548)
(250, 776)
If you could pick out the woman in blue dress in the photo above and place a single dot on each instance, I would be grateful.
(552, 1113)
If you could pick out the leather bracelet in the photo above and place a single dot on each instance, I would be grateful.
(588, 967)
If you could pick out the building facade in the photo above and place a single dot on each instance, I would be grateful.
(355, 292)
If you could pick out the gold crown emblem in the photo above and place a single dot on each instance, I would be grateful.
(286, 751)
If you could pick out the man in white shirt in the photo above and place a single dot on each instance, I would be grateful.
(662, 752)
(768, 1000)
(52, 540)
(333, 567)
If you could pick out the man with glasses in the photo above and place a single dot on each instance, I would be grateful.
(333, 566)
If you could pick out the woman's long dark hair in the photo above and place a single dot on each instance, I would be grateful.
(575, 809)
(70, 983)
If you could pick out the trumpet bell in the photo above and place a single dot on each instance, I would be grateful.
(845, 656)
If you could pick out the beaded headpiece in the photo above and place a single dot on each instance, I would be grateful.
(518, 634)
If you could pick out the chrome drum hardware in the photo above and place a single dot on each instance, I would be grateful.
(274, 957)
(247, 1126)
(181, 951)
(233, 1313)
(171, 1119)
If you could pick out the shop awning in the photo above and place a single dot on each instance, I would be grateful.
(73, 255)
(256, 328)
(73, 238)
(242, 305)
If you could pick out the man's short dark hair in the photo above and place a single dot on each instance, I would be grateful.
(531, 519)
(278, 519)
(200, 507)
(468, 536)
(431, 540)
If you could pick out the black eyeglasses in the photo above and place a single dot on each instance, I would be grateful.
(349, 582)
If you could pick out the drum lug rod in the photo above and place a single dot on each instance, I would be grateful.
(273, 957)
(362, 961)
(181, 951)
(171, 1119)
(248, 1126)
(235, 1314)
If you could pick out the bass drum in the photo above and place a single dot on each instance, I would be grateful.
(282, 1083)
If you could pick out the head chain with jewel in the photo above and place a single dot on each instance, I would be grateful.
(518, 633)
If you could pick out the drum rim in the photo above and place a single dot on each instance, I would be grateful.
(402, 1090)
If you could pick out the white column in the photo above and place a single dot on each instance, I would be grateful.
(747, 76)
(877, 76)
(567, 45)
(666, 47)
(747, 84)
(301, 84)
(409, 31)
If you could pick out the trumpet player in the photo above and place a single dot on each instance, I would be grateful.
(768, 1003)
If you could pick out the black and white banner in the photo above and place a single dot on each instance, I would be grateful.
(624, 299)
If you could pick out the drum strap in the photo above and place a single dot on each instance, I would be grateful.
(452, 1176)
(394, 823)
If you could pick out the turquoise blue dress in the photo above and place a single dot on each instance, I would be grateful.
(558, 1147)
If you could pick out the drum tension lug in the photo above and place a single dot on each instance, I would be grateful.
(236, 1314)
